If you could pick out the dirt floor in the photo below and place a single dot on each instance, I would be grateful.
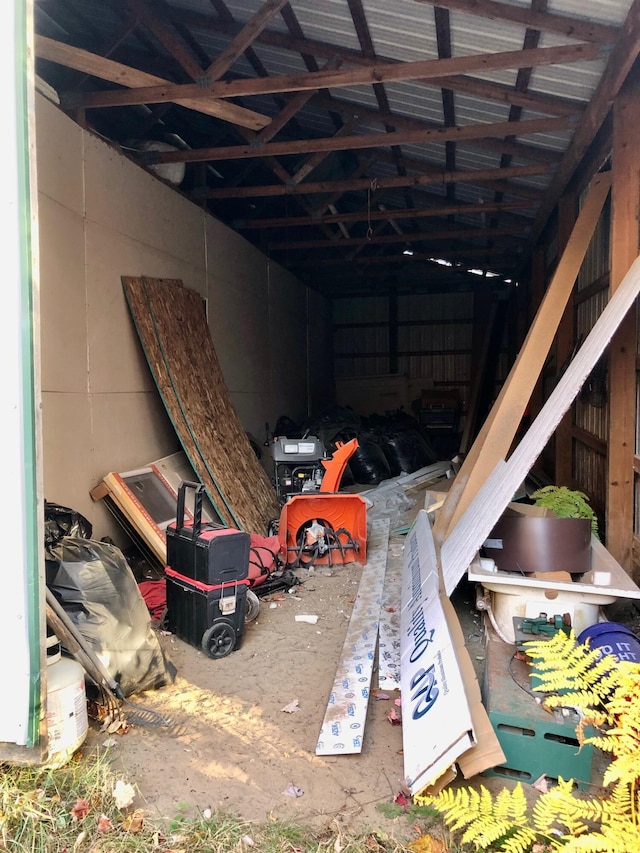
(244, 727)
(232, 746)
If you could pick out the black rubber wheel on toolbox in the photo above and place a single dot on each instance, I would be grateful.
(253, 606)
(220, 639)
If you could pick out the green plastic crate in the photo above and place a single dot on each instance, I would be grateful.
(535, 742)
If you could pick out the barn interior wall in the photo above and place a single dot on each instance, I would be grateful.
(102, 217)
(433, 336)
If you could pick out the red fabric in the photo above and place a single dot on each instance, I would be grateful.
(155, 597)
(263, 551)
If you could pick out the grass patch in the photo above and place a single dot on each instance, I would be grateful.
(84, 807)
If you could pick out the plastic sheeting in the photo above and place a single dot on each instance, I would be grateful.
(95, 585)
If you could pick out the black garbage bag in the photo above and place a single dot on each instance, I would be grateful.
(368, 464)
(287, 427)
(406, 451)
(61, 521)
(97, 589)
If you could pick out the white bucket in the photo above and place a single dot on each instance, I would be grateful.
(67, 721)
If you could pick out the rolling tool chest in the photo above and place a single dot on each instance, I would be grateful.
(207, 580)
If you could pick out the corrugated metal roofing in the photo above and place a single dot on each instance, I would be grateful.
(320, 140)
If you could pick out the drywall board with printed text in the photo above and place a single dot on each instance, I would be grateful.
(436, 719)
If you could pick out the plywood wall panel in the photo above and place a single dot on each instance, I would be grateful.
(238, 319)
(67, 448)
(63, 339)
(59, 157)
(125, 430)
(158, 217)
(231, 258)
(172, 326)
(116, 359)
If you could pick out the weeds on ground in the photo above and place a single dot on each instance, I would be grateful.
(84, 807)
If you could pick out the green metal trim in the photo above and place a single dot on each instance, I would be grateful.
(32, 544)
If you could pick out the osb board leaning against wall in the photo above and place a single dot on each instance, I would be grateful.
(172, 326)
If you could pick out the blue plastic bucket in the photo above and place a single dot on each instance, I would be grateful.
(614, 639)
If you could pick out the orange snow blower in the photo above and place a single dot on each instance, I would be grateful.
(324, 527)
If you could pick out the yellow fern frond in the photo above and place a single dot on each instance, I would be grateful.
(521, 842)
(561, 811)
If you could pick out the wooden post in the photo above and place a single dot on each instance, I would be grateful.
(496, 436)
(538, 283)
(564, 348)
(622, 352)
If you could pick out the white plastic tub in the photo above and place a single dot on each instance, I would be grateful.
(513, 594)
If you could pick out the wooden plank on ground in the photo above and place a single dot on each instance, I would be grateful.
(466, 538)
(498, 432)
(171, 323)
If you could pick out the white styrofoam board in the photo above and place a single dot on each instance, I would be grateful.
(344, 721)
(389, 624)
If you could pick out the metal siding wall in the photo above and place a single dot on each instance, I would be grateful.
(593, 473)
(351, 344)
(597, 262)
(589, 465)
(439, 325)
(590, 418)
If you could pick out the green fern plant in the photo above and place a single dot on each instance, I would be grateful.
(566, 503)
(607, 694)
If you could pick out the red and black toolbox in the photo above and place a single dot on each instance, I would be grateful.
(208, 553)
(207, 579)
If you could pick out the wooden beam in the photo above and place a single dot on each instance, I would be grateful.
(578, 28)
(480, 88)
(363, 184)
(124, 75)
(398, 122)
(564, 348)
(499, 486)
(620, 63)
(244, 38)
(165, 35)
(625, 211)
(508, 95)
(294, 106)
(417, 70)
(414, 237)
(363, 141)
(364, 215)
(314, 161)
(496, 436)
(470, 254)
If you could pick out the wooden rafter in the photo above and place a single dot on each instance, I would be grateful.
(521, 150)
(621, 61)
(373, 215)
(420, 69)
(125, 75)
(479, 88)
(461, 255)
(478, 176)
(363, 141)
(415, 237)
(565, 25)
